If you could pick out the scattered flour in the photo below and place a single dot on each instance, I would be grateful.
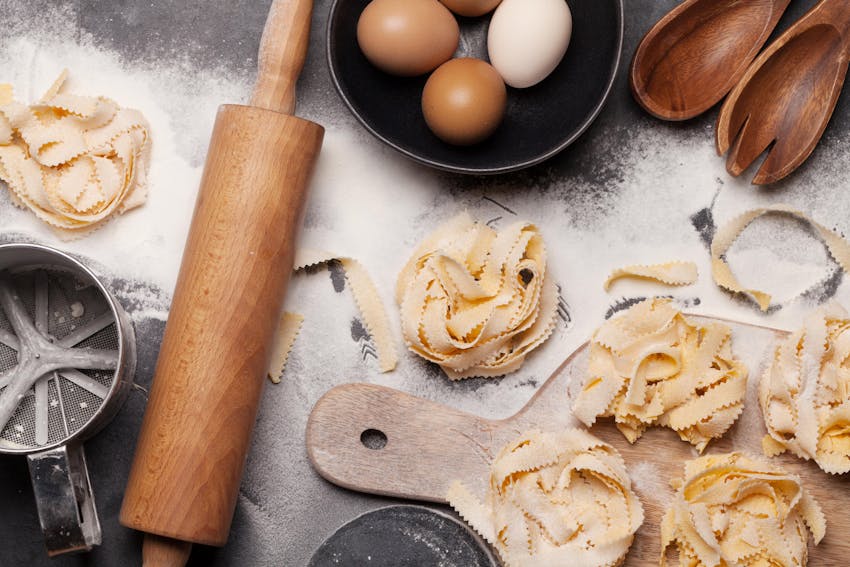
(650, 484)
(665, 178)
(180, 103)
(653, 194)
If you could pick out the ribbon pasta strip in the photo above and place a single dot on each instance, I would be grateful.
(287, 331)
(365, 297)
(733, 510)
(653, 366)
(74, 161)
(805, 393)
(729, 233)
(670, 273)
(555, 499)
(477, 301)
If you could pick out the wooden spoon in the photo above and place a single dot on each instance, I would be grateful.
(695, 54)
(786, 98)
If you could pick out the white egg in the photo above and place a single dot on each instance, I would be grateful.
(528, 39)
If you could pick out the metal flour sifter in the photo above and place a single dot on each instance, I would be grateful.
(67, 359)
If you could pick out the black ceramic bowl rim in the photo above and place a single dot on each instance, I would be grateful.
(479, 171)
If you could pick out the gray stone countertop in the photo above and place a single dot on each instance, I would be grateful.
(278, 522)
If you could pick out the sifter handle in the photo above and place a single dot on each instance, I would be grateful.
(283, 51)
(63, 495)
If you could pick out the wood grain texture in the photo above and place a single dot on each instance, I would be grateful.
(215, 352)
(160, 551)
(283, 50)
(430, 445)
(690, 59)
(786, 98)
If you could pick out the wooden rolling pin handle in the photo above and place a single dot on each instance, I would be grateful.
(158, 551)
(283, 51)
(420, 437)
(195, 437)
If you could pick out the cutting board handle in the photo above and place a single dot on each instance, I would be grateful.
(420, 438)
(283, 51)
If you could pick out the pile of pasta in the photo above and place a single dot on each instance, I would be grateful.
(477, 301)
(805, 392)
(73, 160)
(653, 366)
(555, 499)
(733, 510)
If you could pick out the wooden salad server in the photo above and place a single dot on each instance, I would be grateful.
(429, 445)
(786, 98)
(196, 433)
(690, 59)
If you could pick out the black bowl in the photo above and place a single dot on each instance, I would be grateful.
(540, 121)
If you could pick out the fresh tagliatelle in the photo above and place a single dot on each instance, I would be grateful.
(669, 273)
(734, 510)
(287, 331)
(805, 392)
(555, 499)
(652, 365)
(74, 161)
(365, 297)
(726, 236)
(477, 301)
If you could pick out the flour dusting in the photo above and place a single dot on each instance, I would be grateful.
(143, 247)
(632, 190)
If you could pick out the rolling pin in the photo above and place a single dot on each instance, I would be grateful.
(214, 357)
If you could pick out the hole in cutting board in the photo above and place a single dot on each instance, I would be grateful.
(373, 439)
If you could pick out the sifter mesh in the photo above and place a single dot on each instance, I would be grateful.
(69, 313)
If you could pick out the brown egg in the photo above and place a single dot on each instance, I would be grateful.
(407, 37)
(464, 101)
(471, 8)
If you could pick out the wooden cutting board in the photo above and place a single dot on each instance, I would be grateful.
(429, 445)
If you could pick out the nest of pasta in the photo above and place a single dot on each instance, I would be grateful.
(555, 499)
(477, 301)
(74, 161)
(654, 366)
(734, 510)
(805, 392)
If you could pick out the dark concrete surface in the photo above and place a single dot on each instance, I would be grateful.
(224, 35)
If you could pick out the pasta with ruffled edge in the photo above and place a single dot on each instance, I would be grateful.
(651, 365)
(676, 273)
(366, 298)
(73, 160)
(805, 392)
(477, 301)
(727, 234)
(734, 510)
(555, 499)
